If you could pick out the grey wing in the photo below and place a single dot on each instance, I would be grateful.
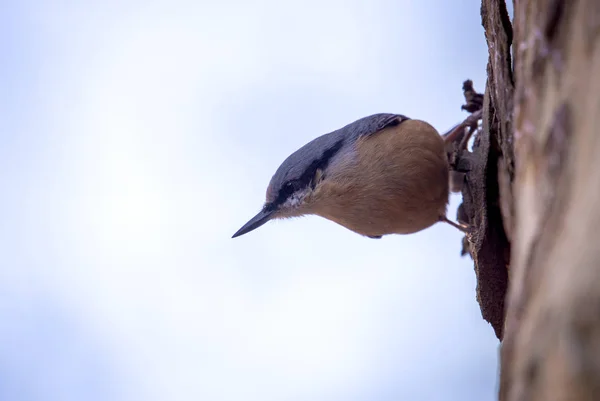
(372, 124)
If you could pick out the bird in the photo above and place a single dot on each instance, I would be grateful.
(380, 175)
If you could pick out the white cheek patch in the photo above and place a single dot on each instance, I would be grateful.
(295, 199)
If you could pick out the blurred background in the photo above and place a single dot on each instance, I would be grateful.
(137, 136)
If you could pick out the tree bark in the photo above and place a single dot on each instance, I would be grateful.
(487, 198)
(551, 346)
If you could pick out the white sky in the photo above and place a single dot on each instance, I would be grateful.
(137, 137)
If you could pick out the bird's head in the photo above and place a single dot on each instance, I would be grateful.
(293, 186)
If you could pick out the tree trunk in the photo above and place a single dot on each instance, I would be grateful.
(551, 342)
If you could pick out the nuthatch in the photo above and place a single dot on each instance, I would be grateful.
(382, 174)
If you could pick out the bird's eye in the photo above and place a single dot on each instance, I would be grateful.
(289, 188)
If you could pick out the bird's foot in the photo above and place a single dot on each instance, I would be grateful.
(465, 228)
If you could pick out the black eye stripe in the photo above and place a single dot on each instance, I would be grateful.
(307, 177)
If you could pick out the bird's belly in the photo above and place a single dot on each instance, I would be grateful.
(390, 205)
(381, 218)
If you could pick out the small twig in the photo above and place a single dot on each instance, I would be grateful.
(458, 138)
(474, 99)
(474, 105)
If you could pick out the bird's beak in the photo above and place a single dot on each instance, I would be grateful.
(261, 218)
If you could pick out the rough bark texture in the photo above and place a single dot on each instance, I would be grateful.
(551, 347)
(487, 194)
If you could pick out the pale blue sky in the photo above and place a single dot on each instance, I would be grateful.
(138, 136)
